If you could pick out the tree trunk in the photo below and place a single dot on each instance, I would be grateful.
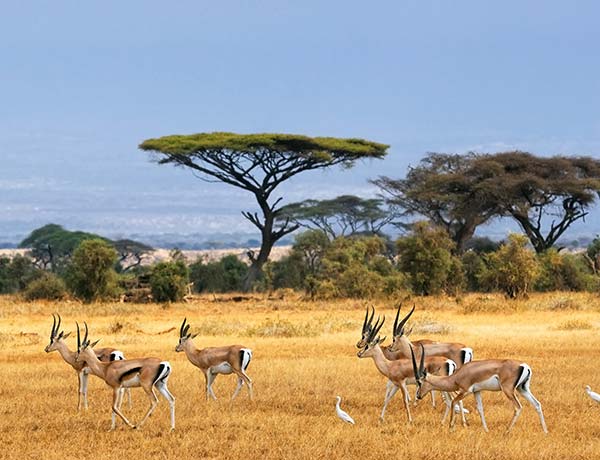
(268, 239)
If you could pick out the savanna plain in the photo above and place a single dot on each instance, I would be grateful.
(303, 356)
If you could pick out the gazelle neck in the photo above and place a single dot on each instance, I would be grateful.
(381, 362)
(444, 383)
(96, 366)
(403, 345)
(67, 355)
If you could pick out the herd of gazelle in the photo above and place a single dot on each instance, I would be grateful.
(445, 367)
(120, 374)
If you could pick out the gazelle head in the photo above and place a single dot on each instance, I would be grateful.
(55, 335)
(184, 335)
(423, 386)
(399, 331)
(373, 340)
(366, 329)
(84, 347)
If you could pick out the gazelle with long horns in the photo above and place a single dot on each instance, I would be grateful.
(216, 360)
(58, 343)
(148, 373)
(390, 389)
(506, 375)
(400, 372)
(457, 352)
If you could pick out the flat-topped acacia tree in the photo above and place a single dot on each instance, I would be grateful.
(259, 163)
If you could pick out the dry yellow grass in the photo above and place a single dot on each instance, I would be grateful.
(296, 379)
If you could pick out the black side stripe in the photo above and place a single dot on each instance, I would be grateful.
(134, 370)
(241, 359)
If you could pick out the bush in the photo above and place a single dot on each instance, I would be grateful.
(48, 287)
(169, 281)
(91, 274)
(513, 267)
(225, 275)
(425, 256)
(16, 273)
(566, 272)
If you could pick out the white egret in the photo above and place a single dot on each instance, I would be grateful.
(595, 396)
(341, 414)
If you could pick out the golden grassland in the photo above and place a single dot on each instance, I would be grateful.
(304, 356)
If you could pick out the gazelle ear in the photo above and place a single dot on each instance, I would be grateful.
(66, 335)
(194, 336)
(95, 343)
(382, 339)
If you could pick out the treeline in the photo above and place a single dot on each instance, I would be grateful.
(424, 261)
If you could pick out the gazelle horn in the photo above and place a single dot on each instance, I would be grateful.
(368, 321)
(53, 332)
(181, 328)
(400, 327)
(78, 338)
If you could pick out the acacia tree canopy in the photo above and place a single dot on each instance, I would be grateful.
(259, 163)
(341, 216)
(445, 189)
(545, 195)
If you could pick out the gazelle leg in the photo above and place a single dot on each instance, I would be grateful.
(457, 400)
(84, 387)
(448, 402)
(162, 388)
(432, 398)
(116, 397)
(536, 405)
(241, 374)
(391, 390)
(461, 409)
(79, 378)
(153, 404)
(210, 378)
(406, 400)
(479, 402)
(510, 394)
(113, 415)
(240, 382)
(129, 403)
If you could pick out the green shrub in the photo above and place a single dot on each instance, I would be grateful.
(425, 256)
(91, 274)
(564, 272)
(169, 281)
(224, 275)
(513, 267)
(48, 287)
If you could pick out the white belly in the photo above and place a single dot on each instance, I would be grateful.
(132, 382)
(223, 368)
(491, 384)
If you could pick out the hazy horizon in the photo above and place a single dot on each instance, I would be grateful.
(83, 84)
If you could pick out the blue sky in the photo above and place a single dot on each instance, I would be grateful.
(83, 83)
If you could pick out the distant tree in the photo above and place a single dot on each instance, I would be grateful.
(342, 216)
(445, 189)
(51, 246)
(47, 287)
(16, 273)
(259, 163)
(425, 256)
(131, 253)
(91, 274)
(545, 195)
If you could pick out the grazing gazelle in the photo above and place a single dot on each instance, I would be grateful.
(57, 343)
(506, 375)
(400, 372)
(148, 373)
(457, 352)
(216, 360)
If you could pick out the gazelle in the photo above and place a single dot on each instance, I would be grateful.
(216, 360)
(506, 375)
(57, 343)
(390, 389)
(400, 372)
(148, 373)
(457, 352)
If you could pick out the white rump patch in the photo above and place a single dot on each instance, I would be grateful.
(247, 356)
(117, 356)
